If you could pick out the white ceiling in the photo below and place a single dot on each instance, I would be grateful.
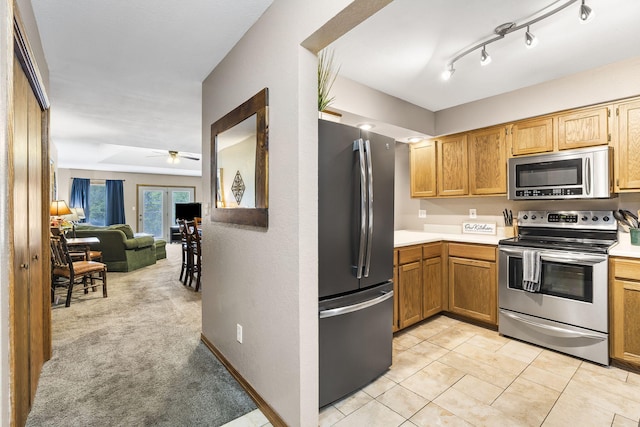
(128, 73)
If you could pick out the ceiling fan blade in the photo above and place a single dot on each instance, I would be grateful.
(190, 157)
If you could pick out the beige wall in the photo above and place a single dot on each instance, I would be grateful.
(131, 182)
(266, 279)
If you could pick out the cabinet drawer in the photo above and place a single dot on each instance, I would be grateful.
(431, 251)
(626, 269)
(410, 254)
(487, 253)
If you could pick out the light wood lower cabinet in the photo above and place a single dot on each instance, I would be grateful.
(410, 289)
(432, 286)
(624, 310)
(473, 282)
(396, 326)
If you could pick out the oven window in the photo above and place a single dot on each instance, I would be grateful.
(549, 174)
(558, 279)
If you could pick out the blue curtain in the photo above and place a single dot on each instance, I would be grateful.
(80, 195)
(115, 202)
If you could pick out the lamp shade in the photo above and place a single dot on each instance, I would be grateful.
(58, 208)
(79, 212)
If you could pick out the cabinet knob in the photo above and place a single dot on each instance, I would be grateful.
(35, 257)
(25, 266)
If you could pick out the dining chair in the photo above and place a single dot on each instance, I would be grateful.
(65, 269)
(194, 241)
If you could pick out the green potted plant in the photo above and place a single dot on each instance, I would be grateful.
(326, 77)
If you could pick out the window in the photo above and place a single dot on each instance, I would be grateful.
(97, 203)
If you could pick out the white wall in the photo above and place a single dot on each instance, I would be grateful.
(131, 182)
(266, 279)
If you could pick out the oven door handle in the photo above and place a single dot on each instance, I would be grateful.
(553, 330)
(573, 258)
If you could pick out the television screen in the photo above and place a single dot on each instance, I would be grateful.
(188, 211)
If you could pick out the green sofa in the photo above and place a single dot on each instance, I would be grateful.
(121, 249)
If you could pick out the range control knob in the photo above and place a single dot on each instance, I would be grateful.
(584, 218)
(595, 218)
(605, 219)
(533, 217)
(525, 217)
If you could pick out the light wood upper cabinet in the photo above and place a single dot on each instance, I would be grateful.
(532, 136)
(583, 128)
(423, 169)
(488, 161)
(625, 310)
(627, 154)
(452, 169)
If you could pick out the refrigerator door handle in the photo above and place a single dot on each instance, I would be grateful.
(358, 145)
(367, 145)
(356, 307)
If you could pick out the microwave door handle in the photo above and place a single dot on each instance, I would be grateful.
(588, 175)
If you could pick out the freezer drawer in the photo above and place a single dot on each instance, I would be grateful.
(355, 341)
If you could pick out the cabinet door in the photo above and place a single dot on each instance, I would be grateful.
(473, 288)
(396, 298)
(431, 287)
(488, 161)
(453, 162)
(423, 169)
(410, 288)
(628, 152)
(583, 128)
(625, 321)
(532, 136)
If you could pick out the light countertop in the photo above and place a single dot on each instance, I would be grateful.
(410, 237)
(624, 247)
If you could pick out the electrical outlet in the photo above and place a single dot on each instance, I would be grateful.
(422, 213)
(472, 214)
(239, 333)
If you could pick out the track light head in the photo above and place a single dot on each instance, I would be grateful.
(448, 72)
(529, 39)
(485, 59)
(586, 13)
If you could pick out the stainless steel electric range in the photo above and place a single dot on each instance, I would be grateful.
(568, 311)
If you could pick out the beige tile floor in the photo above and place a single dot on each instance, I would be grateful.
(450, 373)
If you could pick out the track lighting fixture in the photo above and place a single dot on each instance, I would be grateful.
(529, 39)
(485, 59)
(586, 15)
(446, 74)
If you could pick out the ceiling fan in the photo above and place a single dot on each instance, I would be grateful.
(175, 156)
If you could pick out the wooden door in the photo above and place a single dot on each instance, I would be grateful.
(583, 128)
(628, 150)
(452, 169)
(422, 169)
(431, 287)
(20, 300)
(488, 161)
(472, 289)
(532, 136)
(410, 288)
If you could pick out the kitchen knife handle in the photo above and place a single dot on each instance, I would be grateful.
(358, 145)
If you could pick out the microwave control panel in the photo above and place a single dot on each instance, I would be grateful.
(549, 192)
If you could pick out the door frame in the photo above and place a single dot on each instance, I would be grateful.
(141, 187)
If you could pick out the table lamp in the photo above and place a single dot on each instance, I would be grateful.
(56, 210)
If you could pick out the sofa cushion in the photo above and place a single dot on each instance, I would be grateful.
(125, 228)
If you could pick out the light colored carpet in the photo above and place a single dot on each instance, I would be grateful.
(135, 358)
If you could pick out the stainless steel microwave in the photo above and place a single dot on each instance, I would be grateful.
(585, 173)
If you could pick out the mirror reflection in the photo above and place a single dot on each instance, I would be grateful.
(236, 165)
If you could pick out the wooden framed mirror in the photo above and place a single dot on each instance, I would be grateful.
(239, 164)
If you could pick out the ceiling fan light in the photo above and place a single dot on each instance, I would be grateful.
(446, 74)
(586, 13)
(485, 59)
(529, 39)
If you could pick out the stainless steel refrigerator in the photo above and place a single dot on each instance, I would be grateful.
(356, 174)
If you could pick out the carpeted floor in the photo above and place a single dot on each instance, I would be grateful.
(135, 358)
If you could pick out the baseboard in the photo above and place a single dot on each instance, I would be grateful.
(267, 410)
